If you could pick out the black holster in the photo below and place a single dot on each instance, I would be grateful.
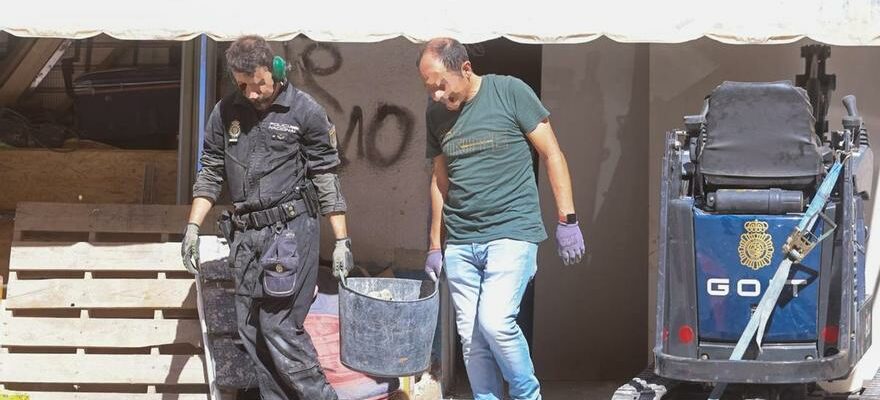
(226, 226)
(310, 197)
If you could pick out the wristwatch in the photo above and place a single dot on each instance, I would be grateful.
(569, 219)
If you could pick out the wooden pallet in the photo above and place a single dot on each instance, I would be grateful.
(88, 176)
(98, 305)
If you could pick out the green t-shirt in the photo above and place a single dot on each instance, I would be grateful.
(492, 190)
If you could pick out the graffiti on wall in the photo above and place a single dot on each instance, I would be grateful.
(381, 136)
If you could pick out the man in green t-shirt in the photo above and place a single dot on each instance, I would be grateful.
(483, 191)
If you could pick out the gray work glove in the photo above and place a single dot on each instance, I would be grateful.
(343, 261)
(189, 249)
(434, 264)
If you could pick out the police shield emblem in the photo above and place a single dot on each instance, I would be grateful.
(234, 131)
(755, 245)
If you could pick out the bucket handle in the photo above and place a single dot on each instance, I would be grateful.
(436, 284)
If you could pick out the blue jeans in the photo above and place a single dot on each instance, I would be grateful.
(487, 281)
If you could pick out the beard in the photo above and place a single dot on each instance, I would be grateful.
(262, 103)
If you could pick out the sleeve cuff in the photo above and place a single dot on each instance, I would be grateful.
(208, 194)
(537, 121)
(333, 208)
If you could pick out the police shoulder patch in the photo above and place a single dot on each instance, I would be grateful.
(332, 135)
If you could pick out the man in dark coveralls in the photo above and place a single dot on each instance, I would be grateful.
(276, 149)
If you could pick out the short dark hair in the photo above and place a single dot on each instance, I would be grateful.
(450, 51)
(248, 53)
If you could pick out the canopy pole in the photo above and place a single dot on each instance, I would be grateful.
(198, 73)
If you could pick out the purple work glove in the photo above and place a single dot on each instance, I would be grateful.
(434, 264)
(570, 242)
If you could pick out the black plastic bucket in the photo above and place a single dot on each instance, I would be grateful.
(387, 338)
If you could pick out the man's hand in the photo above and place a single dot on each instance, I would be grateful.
(343, 261)
(434, 264)
(190, 248)
(570, 242)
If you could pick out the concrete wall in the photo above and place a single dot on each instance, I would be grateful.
(610, 105)
(682, 74)
(374, 95)
(590, 319)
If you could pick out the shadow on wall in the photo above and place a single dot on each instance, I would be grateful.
(622, 261)
(591, 317)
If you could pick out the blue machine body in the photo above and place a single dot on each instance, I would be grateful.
(736, 256)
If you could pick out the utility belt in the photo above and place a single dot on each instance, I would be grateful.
(231, 222)
(270, 216)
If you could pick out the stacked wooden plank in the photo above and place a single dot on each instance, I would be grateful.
(6, 225)
(98, 305)
(88, 176)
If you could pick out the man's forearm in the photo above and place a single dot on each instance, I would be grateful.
(199, 210)
(560, 182)
(337, 223)
(439, 189)
(436, 216)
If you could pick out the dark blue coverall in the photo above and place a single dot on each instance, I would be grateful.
(267, 159)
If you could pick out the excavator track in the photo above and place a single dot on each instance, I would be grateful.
(649, 386)
(645, 386)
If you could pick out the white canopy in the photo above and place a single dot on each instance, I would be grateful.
(836, 22)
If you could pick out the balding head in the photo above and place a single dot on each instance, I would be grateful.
(450, 52)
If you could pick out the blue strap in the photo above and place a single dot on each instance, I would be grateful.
(818, 204)
(758, 322)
